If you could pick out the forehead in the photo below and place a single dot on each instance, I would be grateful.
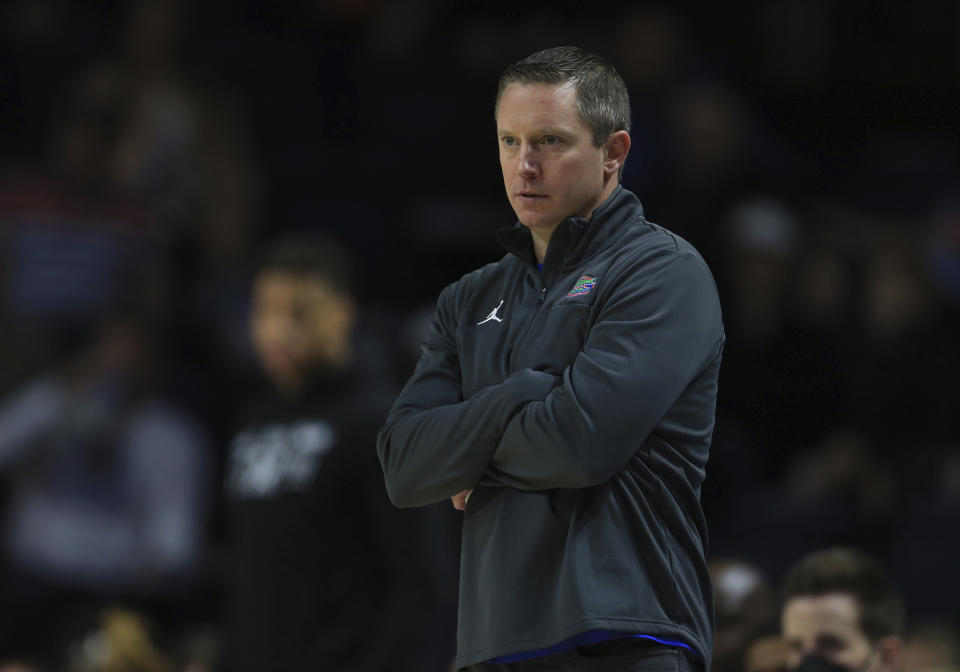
(835, 613)
(539, 105)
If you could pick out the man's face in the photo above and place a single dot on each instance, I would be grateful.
(827, 626)
(298, 324)
(551, 168)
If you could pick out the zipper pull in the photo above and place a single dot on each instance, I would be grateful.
(543, 294)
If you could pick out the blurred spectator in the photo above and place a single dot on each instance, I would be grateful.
(746, 608)
(181, 147)
(903, 380)
(179, 142)
(695, 153)
(71, 249)
(842, 612)
(105, 481)
(324, 573)
(780, 394)
(764, 240)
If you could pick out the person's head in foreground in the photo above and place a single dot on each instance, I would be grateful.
(563, 122)
(302, 313)
(842, 612)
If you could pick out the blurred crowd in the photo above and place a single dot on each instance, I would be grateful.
(162, 162)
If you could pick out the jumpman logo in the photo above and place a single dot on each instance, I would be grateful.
(492, 315)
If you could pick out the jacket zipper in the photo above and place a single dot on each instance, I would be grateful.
(540, 299)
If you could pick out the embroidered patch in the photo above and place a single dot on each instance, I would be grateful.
(583, 286)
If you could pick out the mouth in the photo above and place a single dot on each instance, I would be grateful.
(530, 196)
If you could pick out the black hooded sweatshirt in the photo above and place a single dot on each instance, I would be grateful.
(324, 573)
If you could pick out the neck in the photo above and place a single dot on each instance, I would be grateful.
(541, 239)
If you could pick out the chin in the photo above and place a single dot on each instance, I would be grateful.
(537, 221)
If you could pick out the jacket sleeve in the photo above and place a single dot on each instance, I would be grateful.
(650, 340)
(435, 443)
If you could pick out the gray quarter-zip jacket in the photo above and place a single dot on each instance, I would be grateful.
(579, 404)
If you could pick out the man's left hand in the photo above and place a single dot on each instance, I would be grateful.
(460, 500)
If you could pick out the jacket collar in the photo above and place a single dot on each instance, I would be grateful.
(576, 238)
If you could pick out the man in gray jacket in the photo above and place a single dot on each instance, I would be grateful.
(564, 398)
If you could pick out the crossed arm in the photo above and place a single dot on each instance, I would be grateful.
(535, 431)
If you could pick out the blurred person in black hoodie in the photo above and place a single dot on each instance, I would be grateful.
(325, 574)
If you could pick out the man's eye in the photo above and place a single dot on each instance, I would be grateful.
(509, 142)
(551, 140)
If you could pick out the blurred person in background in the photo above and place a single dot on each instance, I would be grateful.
(896, 458)
(778, 381)
(179, 147)
(71, 246)
(322, 572)
(902, 384)
(780, 394)
(182, 147)
(149, 184)
(105, 481)
(842, 612)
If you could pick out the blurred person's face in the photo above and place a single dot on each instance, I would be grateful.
(551, 168)
(299, 324)
(827, 628)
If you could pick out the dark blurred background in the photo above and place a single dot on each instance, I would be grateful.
(151, 149)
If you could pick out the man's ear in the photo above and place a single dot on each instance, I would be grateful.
(615, 149)
(890, 649)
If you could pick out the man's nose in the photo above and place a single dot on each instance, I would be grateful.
(529, 165)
